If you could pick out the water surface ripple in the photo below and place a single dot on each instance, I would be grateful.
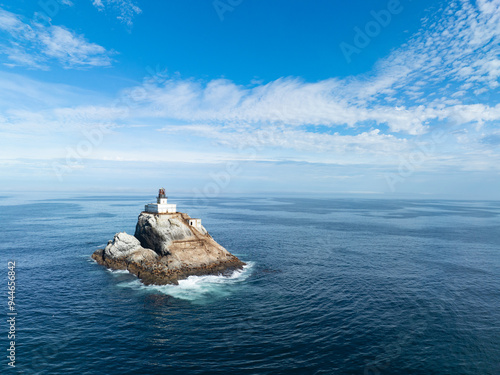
(339, 286)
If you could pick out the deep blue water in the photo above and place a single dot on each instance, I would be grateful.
(340, 286)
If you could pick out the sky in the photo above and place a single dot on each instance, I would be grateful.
(369, 98)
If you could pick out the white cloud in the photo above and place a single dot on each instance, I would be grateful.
(126, 9)
(74, 50)
(36, 45)
(443, 77)
(30, 106)
(19, 91)
(458, 44)
(370, 142)
(433, 79)
(295, 103)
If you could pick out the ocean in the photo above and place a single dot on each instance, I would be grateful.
(331, 286)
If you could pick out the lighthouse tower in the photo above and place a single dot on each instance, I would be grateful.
(161, 206)
(161, 199)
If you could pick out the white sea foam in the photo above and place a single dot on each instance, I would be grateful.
(198, 288)
(117, 271)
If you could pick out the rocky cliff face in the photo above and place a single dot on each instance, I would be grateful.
(158, 232)
(165, 249)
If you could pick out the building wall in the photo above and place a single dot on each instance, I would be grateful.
(161, 208)
(153, 208)
(195, 223)
(167, 208)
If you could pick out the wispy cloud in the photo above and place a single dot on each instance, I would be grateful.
(36, 46)
(458, 44)
(446, 73)
(126, 9)
(296, 103)
(445, 76)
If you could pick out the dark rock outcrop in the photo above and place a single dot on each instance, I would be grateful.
(166, 249)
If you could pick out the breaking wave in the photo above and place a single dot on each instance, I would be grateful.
(197, 288)
(117, 271)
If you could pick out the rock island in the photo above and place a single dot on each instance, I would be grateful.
(167, 246)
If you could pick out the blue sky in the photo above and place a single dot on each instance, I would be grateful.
(380, 98)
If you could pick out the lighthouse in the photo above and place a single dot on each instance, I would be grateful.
(161, 206)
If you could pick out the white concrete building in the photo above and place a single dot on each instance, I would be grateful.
(161, 206)
(194, 223)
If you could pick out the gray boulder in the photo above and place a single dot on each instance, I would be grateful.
(157, 232)
(127, 247)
